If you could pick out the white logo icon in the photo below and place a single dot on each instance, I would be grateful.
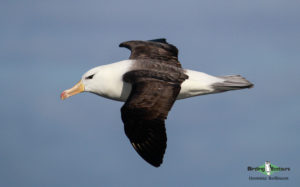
(268, 168)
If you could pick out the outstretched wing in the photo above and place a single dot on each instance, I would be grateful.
(144, 115)
(155, 77)
(157, 49)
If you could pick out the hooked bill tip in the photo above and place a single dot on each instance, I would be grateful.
(63, 95)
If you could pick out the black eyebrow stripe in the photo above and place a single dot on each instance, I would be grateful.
(90, 77)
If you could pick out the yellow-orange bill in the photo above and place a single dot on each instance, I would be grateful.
(78, 88)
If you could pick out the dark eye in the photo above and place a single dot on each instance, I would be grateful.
(90, 77)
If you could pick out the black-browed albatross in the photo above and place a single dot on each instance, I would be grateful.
(149, 83)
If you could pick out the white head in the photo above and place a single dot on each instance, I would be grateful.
(105, 80)
(89, 83)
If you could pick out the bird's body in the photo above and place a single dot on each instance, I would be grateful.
(149, 83)
(110, 84)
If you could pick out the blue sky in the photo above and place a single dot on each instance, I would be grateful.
(47, 45)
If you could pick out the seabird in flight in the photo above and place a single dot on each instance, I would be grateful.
(149, 83)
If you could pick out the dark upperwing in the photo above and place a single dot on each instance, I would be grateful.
(157, 49)
(154, 91)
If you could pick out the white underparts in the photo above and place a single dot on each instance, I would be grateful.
(198, 83)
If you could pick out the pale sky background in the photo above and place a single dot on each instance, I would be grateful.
(46, 45)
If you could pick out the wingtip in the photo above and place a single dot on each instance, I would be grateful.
(159, 40)
(154, 163)
(156, 166)
(122, 44)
